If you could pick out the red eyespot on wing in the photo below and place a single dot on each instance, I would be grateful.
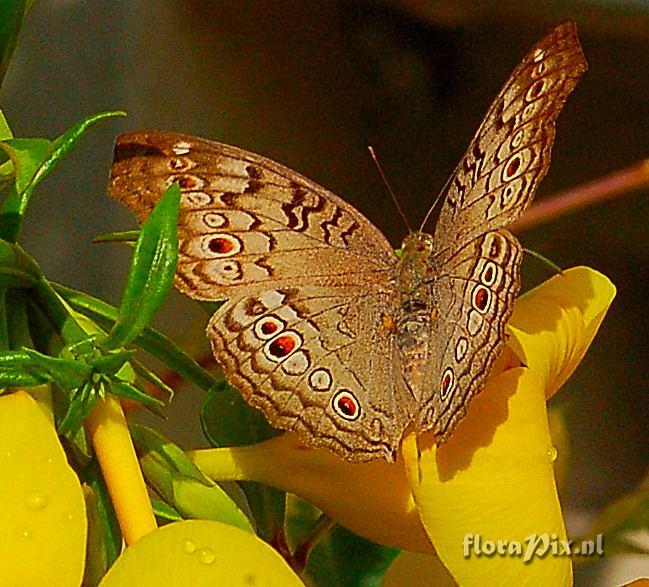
(221, 245)
(489, 273)
(447, 381)
(535, 90)
(186, 182)
(346, 405)
(481, 299)
(513, 166)
(281, 346)
(268, 327)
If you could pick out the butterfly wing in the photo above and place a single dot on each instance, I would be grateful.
(314, 361)
(307, 281)
(478, 260)
(246, 222)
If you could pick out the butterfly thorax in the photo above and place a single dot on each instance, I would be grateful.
(414, 283)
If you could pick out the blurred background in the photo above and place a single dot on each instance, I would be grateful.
(311, 84)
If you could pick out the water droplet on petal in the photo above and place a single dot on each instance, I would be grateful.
(189, 546)
(206, 556)
(552, 453)
(26, 534)
(35, 500)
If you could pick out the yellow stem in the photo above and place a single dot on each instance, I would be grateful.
(119, 464)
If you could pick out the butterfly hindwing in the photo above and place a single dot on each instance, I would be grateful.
(313, 360)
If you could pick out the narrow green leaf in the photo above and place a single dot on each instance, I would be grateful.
(123, 236)
(11, 20)
(5, 129)
(18, 320)
(6, 165)
(57, 313)
(150, 340)
(111, 363)
(82, 401)
(110, 535)
(175, 478)
(68, 373)
(148, 440)
(165, 511)
(128, 391)
(33, 160)
(227, 420)
(145, 374)
(17, 269)
(20, 378)
(152, 270)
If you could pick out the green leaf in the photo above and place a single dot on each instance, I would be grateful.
(345, 559)
(5, 130)
(150, 377)
(152, 270)
(17, 268)
(150, 340)
(68, 373)
(11, 20)
(82, 401)
(227, 419)
(165, 511)
(123, 236)
(128, 391)
(33, 160)
(175, 478)
(111, 363)
(340, 557)
(7, 166)
(43, 368)
(104, 536)
(17, 319)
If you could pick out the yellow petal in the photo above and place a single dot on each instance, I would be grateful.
(42, 511)
(554, 324)
(493, 479)
(416, 569)
(200, 553)
(371, 499)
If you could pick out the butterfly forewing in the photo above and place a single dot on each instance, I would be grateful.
(510, 153)
(245, 221)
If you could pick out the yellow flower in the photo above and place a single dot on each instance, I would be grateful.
(494, 478)
(42, 511)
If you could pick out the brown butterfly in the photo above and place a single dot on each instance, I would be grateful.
(325, 329)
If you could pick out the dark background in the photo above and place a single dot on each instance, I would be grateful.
(311, 84)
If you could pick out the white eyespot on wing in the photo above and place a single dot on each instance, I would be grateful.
(461, 348)
(181, 148)
(297, 363)
(320, 379)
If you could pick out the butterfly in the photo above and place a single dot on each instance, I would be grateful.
(325, 329)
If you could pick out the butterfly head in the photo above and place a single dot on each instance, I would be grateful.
(418, 245)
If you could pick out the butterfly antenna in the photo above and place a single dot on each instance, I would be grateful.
(441, 194)
(387, 185)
